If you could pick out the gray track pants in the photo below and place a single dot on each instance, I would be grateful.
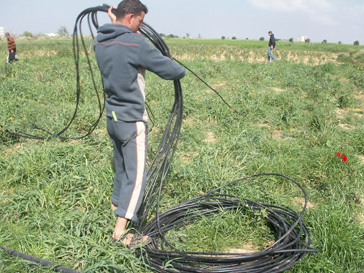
(130, 140)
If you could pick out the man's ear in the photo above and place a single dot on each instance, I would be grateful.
(129, 17)
(133, 17)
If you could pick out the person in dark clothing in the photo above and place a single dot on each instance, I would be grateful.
(271, 46)
(11, 48)
(123, 56)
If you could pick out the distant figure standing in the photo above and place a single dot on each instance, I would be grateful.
(11, 47)
(271, 46)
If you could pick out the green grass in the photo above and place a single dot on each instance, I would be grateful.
(297, 114)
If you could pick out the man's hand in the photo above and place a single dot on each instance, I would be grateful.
(111, 14)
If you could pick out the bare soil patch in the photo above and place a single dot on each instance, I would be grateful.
(247, 248)
(301, 201)
(210, 138)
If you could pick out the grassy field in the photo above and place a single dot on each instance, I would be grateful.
(297, 114)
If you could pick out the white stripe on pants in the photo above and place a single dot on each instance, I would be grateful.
(130, 140)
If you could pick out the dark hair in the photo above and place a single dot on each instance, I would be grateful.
(130, 6)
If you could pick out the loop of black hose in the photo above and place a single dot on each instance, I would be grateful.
(291, 246)
(91, 15)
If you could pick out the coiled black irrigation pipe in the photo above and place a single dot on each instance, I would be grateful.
(292, 235)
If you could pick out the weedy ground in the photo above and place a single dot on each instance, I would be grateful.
(294, 116)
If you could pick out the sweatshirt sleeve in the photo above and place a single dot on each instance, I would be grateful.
(153, 60)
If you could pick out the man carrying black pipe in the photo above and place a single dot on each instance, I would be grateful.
(123, 56)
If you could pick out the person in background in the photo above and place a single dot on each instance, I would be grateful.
(123, 55)
(271, 46)
(11, 48)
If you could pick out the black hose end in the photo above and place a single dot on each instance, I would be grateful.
(106, 6)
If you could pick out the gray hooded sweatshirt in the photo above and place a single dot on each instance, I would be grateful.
(123, 57)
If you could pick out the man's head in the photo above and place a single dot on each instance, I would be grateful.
(131, 13)
(269, 32)
(7, 34)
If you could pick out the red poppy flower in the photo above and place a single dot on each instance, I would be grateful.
(338, 154)
(344, 158)
(81, 81)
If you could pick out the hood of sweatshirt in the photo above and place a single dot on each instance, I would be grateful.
(111, 31)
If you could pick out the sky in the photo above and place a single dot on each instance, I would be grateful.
(318, 20)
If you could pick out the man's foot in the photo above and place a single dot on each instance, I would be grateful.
(120, 228)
